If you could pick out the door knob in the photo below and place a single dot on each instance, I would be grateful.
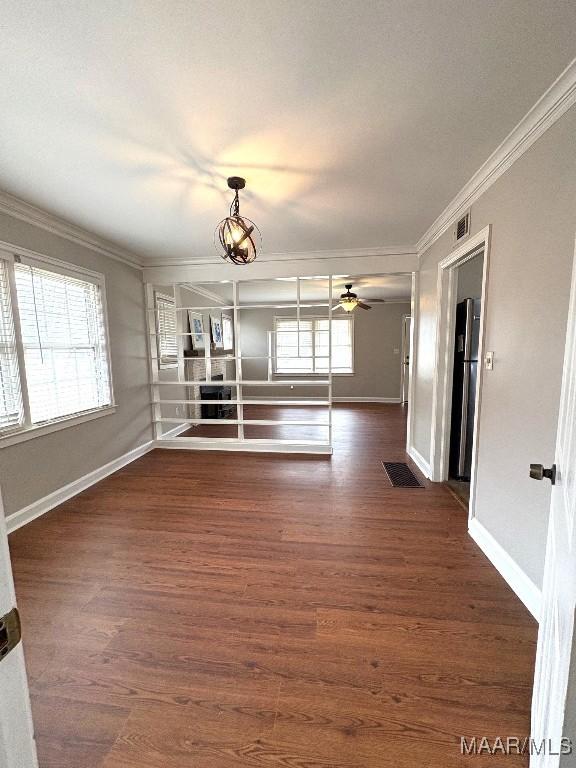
(539, 472)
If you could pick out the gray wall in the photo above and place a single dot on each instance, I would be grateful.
(532, 212)
(470, 279)
(377, 333)
(36, 467)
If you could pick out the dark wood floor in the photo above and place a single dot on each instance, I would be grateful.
(294, 432)
(209, 610)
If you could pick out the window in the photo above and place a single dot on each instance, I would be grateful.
(166, 331)
(54, 361)
(305, 349)
(11, 411)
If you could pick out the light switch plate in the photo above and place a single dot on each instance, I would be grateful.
(489, 361)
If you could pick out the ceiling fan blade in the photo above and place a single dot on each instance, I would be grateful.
(338, 306)
(363, 306)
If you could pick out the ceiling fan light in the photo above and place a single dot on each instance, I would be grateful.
(348, 305)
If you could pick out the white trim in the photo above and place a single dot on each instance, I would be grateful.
(46, 503)
(347, 399)
(442, 379)
(420, 461)
(21, 434)
(329, 264)
(415, 314)
(557, 100)
(344, 253)
(203, 291)
(521, 584)
(175, 431)
(43, 261)
(251, 446)
(19, 209)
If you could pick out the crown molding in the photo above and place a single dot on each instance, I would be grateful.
(19, 209)
(348, 253)
(548, 109)
(203, 291)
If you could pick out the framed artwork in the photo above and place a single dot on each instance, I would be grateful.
(196, 322)
(216, 331)
(227, 333)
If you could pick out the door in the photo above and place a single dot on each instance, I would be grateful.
(17, 746)
(554, 700)
(405, 375)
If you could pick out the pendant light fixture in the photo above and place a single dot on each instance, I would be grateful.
(237, 239)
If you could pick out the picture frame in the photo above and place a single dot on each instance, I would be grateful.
(196, 323)
(216, 331)
(227, 333)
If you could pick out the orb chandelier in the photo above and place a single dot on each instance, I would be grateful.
(237, 239)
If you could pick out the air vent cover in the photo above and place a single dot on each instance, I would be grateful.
(400, 475)
(462, 228)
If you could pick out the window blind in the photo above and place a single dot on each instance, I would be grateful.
(166, 329)
(304, 347)
(64, 342)
(11, 411)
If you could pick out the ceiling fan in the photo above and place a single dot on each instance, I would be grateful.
(349, 301)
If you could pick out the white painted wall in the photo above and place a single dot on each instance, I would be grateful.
(532, 212)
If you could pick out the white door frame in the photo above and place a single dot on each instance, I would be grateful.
(405, 350)
(442, 383)
(414, 312)
(17, 745)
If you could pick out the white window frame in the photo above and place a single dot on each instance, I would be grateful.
(26, 431)
(308, 374)
(167, 362)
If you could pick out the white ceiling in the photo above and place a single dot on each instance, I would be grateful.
(354, 121)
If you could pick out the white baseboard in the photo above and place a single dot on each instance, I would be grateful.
(250, 446)
(175, 431)
(366, 400)
(420, 461)
(521, 584)
(41, 506)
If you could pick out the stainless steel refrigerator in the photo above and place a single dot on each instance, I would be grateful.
(466, 337)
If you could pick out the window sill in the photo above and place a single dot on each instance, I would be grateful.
(295, 375)
(28, 433)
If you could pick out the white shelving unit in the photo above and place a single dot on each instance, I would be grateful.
(160, 389)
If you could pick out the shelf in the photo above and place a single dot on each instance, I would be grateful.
(245, 422)
(243, 402)
(245, 383)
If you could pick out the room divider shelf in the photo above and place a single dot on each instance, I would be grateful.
(169, 371)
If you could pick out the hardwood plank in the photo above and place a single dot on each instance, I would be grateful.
(210, 610)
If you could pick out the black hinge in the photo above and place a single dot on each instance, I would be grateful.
(10, 632)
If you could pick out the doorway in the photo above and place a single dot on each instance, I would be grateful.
(405, 369)
(443, 382)
(465, 340)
